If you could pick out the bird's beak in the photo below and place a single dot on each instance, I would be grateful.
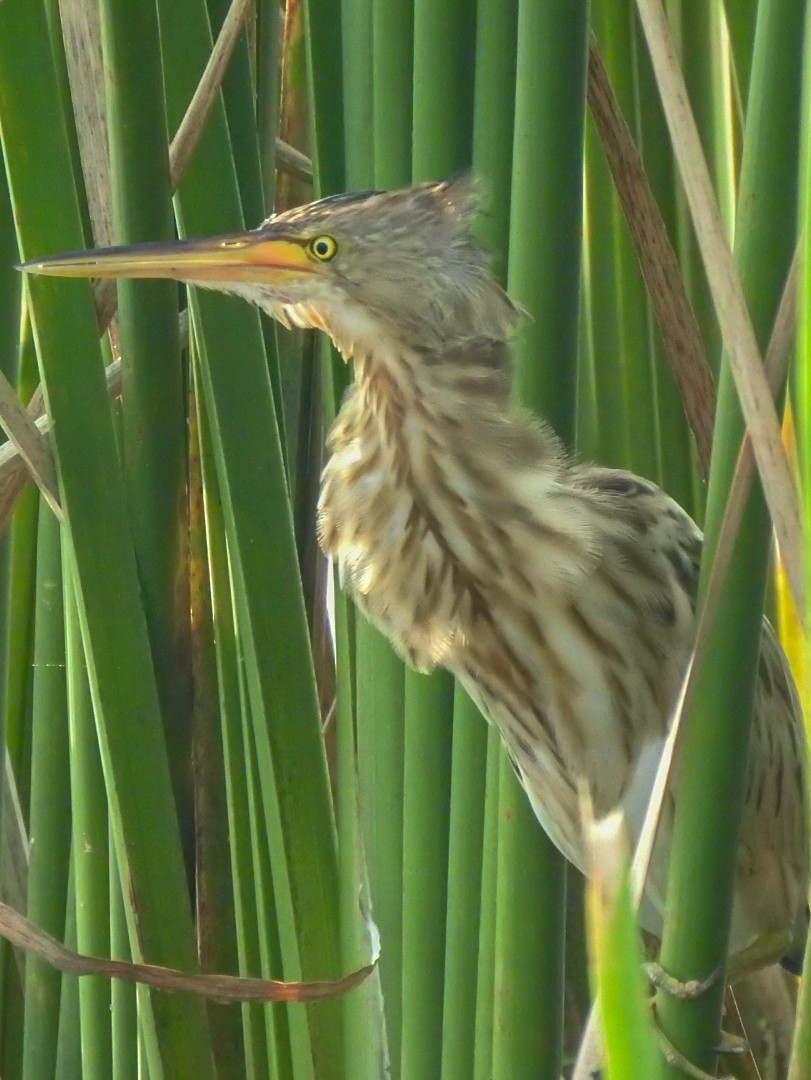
(249, 256)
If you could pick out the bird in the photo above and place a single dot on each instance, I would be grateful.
(561, 594)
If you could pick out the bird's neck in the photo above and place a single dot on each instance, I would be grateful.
(427, 463)
(440, 416)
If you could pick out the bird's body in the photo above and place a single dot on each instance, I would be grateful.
(560, 594)
(562, 597)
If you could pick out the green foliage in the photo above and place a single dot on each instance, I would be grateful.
(631, 1049)
(197, 792)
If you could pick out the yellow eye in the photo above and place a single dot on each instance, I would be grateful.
(323, 248)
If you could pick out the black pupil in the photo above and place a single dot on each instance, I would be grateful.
(321, 247)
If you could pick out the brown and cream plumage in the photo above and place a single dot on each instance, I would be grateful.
(560, 594)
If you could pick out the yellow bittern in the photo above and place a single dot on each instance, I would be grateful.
(562, 595)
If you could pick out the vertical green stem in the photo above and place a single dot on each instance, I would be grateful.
(90, 850)
(716, 735)
(544, 277)
(50, 802)
(153, 429)
(465, 860)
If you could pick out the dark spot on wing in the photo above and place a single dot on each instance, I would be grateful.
(516, 768)
(684, 568)
(664, 611)
(765, 674)
(620, 483)
(524, 746)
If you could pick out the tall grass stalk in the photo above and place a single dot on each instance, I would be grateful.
(199, 792)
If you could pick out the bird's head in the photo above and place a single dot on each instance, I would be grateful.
(400, 263)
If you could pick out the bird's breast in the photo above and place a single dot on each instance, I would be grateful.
(507, 575)
(390, 560)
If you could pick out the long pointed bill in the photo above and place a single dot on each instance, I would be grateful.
(246, 256)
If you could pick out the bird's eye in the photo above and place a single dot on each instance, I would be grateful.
(323, 248)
